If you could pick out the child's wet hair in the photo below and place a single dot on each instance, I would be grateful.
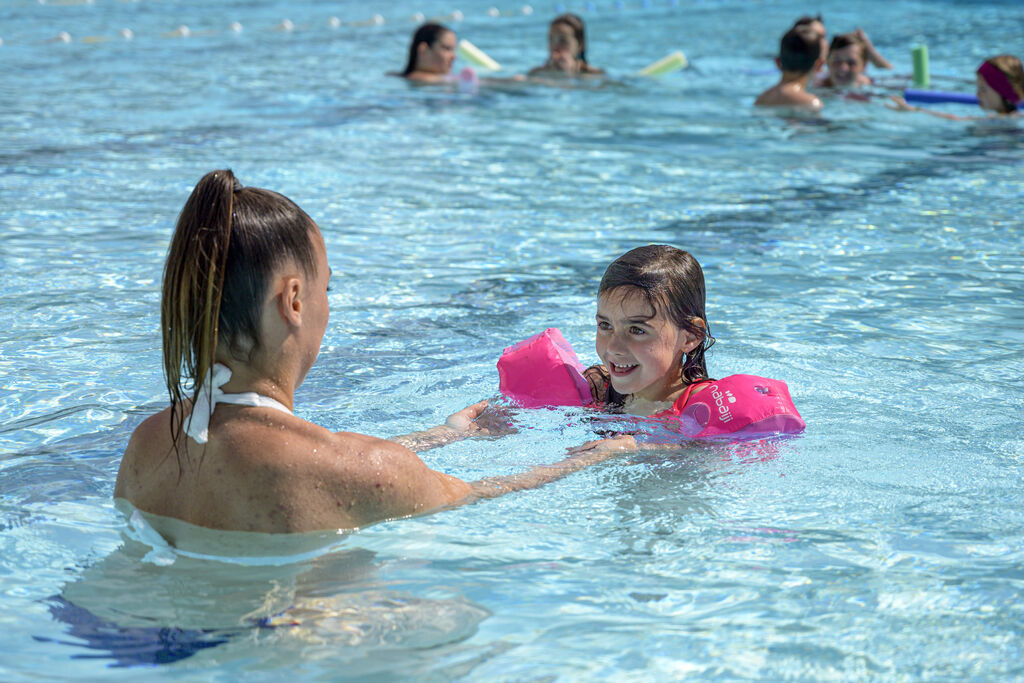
(672, 282)
(800, 49)
(844, 40)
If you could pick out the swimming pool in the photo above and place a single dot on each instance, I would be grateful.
(870, 259)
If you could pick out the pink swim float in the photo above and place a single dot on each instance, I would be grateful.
(737, 406)
(544, 371)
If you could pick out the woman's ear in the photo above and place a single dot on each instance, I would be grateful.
(290, 301)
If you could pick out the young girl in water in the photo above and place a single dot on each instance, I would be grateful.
(1000, 83)
(652, 338)
(652, 331)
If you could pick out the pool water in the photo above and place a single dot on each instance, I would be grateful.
(871, 259)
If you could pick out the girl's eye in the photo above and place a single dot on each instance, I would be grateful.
(637, 331)
(604, 325)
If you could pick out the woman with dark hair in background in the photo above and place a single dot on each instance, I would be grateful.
(431, 54)
(567, 49)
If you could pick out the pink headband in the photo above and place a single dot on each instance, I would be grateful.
(999, 82)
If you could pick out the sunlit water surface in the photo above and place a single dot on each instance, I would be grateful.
(870, 259)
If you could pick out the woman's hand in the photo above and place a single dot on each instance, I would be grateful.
(480, 420)
(464, 421)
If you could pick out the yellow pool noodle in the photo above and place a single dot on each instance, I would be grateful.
(472, 53)
(676, 60)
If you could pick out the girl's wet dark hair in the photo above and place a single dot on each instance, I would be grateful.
(228, 241)
(672, 282)
(574, 22)
(427, 33)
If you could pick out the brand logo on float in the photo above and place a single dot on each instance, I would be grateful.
(722, 401)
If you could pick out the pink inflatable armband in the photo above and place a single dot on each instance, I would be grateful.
(543, 371)
(738, 406)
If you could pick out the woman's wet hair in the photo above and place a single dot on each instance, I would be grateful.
(574, 22)
(1012, 68)
(672, 282)
(428, 33)
(228, 241)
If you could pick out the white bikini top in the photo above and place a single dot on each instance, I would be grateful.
(198, 426)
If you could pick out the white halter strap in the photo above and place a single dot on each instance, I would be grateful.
(198, 424)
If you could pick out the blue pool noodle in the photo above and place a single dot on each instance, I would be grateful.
(934, 96)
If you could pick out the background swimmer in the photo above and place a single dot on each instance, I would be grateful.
(567, 49)
(244, 311)
(846, 63)
(431, 54)
(1000, 89)
(800, 57)
(871, 54)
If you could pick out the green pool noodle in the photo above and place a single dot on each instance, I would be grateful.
(920, 57)
(471, 53)
(674, 61)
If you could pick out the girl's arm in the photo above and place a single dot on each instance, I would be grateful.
(902, 105)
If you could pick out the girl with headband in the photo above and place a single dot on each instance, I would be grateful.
(1000, 90)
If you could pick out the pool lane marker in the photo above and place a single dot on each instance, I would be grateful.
(287, 26)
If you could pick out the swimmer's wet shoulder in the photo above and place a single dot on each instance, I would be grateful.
(263, 470)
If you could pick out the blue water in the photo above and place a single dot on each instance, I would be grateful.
(873, 260)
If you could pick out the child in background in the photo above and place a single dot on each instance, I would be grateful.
(871, 54)
(800, 57)
(567, 49)
(1000, 83)
(846, 62)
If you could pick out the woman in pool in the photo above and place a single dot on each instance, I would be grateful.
(567, 49)
(1000, 87)
(243, 312)
(431, 55)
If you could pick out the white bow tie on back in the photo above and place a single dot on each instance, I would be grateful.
(198, 426)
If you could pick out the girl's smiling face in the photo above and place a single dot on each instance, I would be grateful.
(641, 348)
